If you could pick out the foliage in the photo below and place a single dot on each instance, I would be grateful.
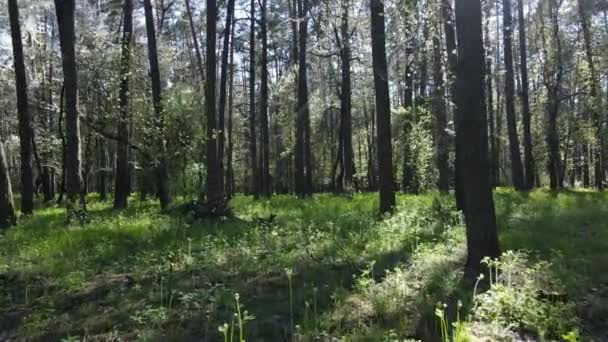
(140, 274)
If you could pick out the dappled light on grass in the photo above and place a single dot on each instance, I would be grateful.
(142, 274)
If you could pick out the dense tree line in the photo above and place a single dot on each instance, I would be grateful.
(121, 97)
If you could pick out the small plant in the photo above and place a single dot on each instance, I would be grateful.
(289, 273)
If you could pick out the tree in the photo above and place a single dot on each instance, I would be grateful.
(385, 149)
(7, 211)
(553, 72)
(517, 174)
(472, 138)
(230, 186)
(26, 133)
(253, 149)
(161, 169)
(216, 203)
(264, 167)
(343, 40)
(226, 47)
(303, 165)
(123, 174)
(73, 174)
(594, 107)
(525, 101)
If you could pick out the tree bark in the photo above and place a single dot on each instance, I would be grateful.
(73, 176)
(7, 211)
(517, 174)
(525, 100)
(595, 106)
(345, 97)
(161, 169)
(385, 150)
(264, 167)
(226, 47)
(230, 187)
(216, 202)
(303, 172)
(472, 138)
(253, 148)
(552, 81)
(26, 132)
(123, 176)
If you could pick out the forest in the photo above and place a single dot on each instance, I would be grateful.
(303, 170)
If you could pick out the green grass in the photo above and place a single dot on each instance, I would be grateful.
(143, 275)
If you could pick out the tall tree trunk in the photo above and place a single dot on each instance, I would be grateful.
(440, 118)
(7, 211)
(552, 81)
(230, 186)
(123, 176)
(25, 120)
(303, 96)
(226, 47)
(472, 138)
(229, 169)
(73, 176)
(162, 171)
(345, 96)
(303, 172)
(496, 158)
(216, 202)
(265, 157)
(525, 100)
(595, 106)
(253, 148)
(517, 174)
(383, 110)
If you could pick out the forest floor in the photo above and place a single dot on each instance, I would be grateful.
(316, 269)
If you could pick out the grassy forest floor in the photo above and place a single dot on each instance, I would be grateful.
(322, 268)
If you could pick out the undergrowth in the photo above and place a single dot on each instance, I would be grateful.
(320, 269)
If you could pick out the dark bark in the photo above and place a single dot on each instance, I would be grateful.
(264, 167)
(552, 76)
(345, 97)
(595, 106)
(383, 110)
(73, 163)
(303, 171)
(496, 158)
(253, 148)
(122, 178)
(216, 201)
(161, 168)
(517, 173)
(525, 100)
(223, 91)
(472, 138)
(7, 210)
(26, 132)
